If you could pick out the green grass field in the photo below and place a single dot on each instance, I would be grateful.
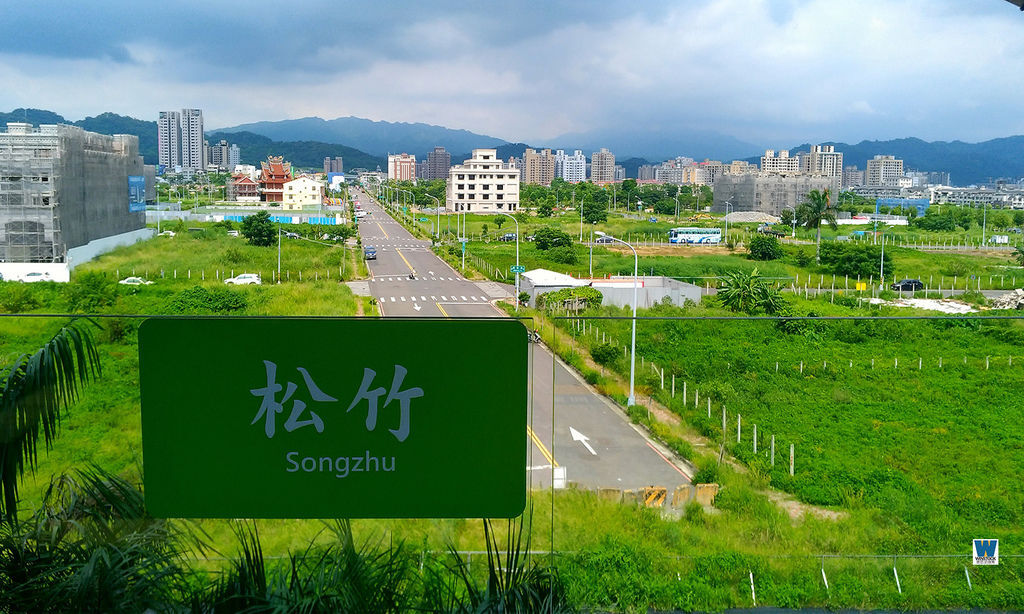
(916, 461)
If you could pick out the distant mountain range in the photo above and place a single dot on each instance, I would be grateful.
(376, 138)
(365, 143)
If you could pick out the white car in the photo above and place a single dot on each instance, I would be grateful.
(134, 281)
(36, 276)
(232, 233)
(244, 279)
(167, 233)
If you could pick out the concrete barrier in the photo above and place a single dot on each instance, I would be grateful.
(610, 494)
(654, 496)
(632, 496)
(681, 496)
(705, 493)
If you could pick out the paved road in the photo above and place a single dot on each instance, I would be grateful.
(621, 458)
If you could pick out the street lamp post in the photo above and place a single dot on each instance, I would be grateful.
(632, 357)
(278, 250)
(727, 205)
(517, 253)
(437, 206)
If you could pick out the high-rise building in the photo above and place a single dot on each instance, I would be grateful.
(483, 183)
(193, 154)
(538, 168)
(234, 156)
(438, 163)
(620, 173)
(168, 136)
(781, 164)
(822, 160)
(852, 177)
(180, 140)
(602, 166)
(402, 167)
(572, 168)
(883, 171)
(645, 172)
(334, 165)
(65, 188)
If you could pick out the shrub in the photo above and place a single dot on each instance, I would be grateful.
(749, 293)
(564, 255)
(552, 300)
(956, 268)
(801, 257)
(604, 354)
(764, 247)
(233, 255)
(707, 471)
(973, 296)
(853, 259)
(198, 299)
(90, 292)
(259, 230)
(17, 297)
(693, 513)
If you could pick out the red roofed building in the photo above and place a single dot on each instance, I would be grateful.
(242, 188)
(276, 172)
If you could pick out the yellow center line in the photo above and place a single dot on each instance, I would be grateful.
(443, 312)
(382, 230)
(540, 446)
(405, 261)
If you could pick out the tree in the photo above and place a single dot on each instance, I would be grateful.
(546, 208)
(32, 392)
(749, 293)
(1018, 253)
(1018, 218)
(816, 209)
(786, 217)
(594, 212)
(854, 259)
(547, 237)
(499, 220)
(259, 230)
(764, 247)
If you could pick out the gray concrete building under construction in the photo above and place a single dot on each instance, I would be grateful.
(66, 195)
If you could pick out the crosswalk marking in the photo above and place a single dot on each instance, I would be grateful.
(463, 298)
(423, 298)
(392, 299)
(444, 298)
(403, 299)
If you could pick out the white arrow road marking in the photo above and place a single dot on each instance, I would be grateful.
(416, 307)
(580, 437)
(430, 272)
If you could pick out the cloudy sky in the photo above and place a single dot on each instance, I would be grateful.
(770, 72)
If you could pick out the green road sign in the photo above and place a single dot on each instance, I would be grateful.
(423, 219)
(316, 418)
(517, 268)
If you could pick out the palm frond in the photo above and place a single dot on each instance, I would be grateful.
(32, 393)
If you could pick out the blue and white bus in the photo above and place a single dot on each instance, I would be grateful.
(695, 235)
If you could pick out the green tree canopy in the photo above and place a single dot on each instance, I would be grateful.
(547, 237)
(259, 230)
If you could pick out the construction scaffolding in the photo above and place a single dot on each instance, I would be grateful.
(62, 187)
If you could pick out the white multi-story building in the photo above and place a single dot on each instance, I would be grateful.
(302, 191)
(884, 171)
(193, 154)
(234, 156)
(780, 164)
(602, 166)
(572, 168)
(822, 160)
(180, 141)
(402, 167)
(483, 183)
(168, 137)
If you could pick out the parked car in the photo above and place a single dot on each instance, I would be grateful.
(244, 279)
(508, 236)
(134, 281)
(167, 233)
(292, 235)
(232, 233)
(908, 285)
(605, 239)
(36, 276)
